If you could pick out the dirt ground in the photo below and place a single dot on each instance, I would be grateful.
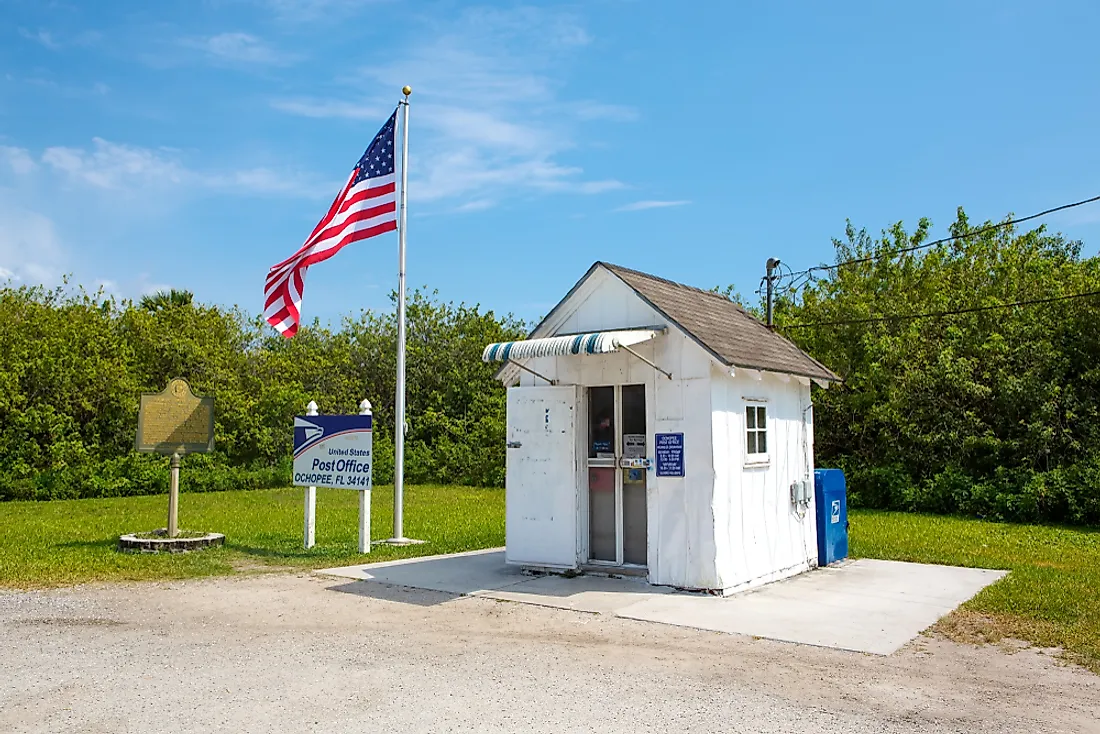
(304, 653)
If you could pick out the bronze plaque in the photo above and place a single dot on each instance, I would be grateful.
(175, 421)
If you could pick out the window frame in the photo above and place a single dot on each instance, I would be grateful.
(756, 458)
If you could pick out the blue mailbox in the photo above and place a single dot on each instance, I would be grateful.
(830, 493)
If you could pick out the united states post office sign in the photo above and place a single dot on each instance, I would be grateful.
(333, 451)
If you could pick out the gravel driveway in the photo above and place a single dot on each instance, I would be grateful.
(301, 653)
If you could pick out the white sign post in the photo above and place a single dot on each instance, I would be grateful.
(364, 499)
(310, 529)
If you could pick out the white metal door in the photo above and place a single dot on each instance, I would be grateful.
(541, 479)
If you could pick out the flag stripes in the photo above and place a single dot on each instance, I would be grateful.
(365, 207)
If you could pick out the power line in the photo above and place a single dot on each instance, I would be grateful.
(933, 314)
(952, 238)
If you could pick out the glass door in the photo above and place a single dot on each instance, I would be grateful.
(616, 493)
(603, 542)
(633, 479)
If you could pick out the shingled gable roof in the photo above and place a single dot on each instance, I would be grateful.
(732, 335)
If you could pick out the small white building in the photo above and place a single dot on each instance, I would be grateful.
(660, 430)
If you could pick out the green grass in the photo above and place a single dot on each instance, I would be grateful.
(1051, 598)
(67, 542)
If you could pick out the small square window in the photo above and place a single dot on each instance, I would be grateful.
(756, 432)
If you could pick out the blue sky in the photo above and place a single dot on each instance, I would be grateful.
(193, 144)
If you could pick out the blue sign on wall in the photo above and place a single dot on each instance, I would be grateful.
(670, 454)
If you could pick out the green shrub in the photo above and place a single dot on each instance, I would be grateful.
(73, 366)
(983, 410)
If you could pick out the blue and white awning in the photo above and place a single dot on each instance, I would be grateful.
(596, 342)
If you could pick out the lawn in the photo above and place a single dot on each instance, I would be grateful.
(1051, 598)
(73, 541)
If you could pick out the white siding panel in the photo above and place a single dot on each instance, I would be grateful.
(686, 547)
(762, 536)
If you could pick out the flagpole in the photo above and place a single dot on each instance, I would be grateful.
(399, 423)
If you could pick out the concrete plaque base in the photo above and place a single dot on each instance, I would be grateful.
(161, 543)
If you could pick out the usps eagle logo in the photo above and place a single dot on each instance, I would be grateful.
(311, 432)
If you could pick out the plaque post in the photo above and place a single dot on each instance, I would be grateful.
(174, 496)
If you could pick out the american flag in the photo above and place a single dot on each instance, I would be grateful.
(365, 207)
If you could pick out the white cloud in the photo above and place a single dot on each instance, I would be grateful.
(477, 205)
(314, 10)
(638, 206)
(54, 43)
(132, 169)
(485, 129)
(320, 108)
(18, 159)
(265, 181)
(524, 25)
(598, 187)
(600, 111)
(494, 125)
(30, 248)
(114, 166)
(42, 37)
(65, 89)
(95, 189)
(237, 47)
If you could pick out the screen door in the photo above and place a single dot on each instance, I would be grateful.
(617, 530)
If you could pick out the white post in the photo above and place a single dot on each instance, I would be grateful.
(364, 497)
(399, 419)
(310, 524)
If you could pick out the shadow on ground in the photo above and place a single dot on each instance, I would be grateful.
(400, 594)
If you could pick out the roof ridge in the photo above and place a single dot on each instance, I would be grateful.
(613, 266)
(754, 323)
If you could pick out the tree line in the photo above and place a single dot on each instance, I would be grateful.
(993, 412)
(73, 365)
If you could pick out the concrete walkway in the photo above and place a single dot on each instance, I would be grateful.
(860, 605)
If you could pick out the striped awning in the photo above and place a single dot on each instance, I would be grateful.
(596, 342)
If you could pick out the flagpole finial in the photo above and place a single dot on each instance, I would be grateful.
(406, 90)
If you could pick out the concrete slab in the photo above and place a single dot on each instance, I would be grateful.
(457, 573)
(596, 594)
(863, 605)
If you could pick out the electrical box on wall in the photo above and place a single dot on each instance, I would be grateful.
(800, 492)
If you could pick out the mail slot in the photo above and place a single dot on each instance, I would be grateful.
(830, 492)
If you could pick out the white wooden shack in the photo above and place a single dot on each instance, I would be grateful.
(659, 430)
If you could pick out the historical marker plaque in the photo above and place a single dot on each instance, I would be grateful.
(175, 421)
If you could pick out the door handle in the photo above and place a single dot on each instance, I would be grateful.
(514, 444)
